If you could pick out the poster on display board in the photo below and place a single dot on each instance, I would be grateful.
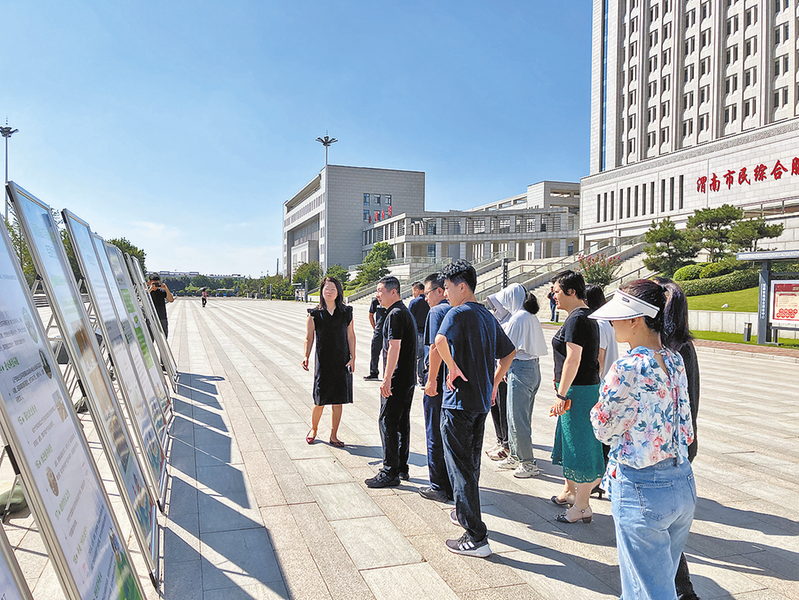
(149, 310)
(50, 260)
(784, 302)
(152, 381)
(147, 421)
(12, 583)
(64, 491)
(120, 273)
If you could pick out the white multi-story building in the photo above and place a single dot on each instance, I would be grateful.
(694, 104)
(323, 221)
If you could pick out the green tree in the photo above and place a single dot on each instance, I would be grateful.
(125, 245)
(744, 235)
(375, 265)
(22, 251)
(599, 270)
(311, 271)
(338, 272)
(281, 287)
(709, 228)
(669, 248)
(200, 281)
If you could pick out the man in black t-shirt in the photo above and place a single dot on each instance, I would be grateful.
(160, 295)
(396, 390)
(377, 315)
(469, 341)
(419, 309)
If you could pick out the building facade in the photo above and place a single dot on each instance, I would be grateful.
(543, 222)
(323, 221)
(693, 105)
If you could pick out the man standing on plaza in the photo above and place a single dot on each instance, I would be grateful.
(160, 295)
(469, 341)
(419, 308)
(439, 488)
(377, 314)
(553, 304)
(396, 390)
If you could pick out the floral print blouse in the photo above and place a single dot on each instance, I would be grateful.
(635, 411)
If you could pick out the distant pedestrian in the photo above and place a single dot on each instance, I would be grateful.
(160, 295)
(469, 342)
(419, 308)
(644, 413)
(440, 488)
(553, 304)
(524, 377)
(331, 325)
(376, 316)
(205, 298)
(396, 390)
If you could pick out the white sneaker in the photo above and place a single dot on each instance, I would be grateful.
(497, 453)
(509, 463)
(526, 470)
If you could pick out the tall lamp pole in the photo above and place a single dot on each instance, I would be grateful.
(326, 141)
(7, 132)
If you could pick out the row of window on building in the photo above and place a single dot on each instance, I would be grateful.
(640, 200)
(311, 206)
(377, 199)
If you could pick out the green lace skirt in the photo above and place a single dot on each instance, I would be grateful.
(575, 447)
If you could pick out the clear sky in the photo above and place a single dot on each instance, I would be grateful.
(184, 126)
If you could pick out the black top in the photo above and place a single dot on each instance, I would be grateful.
(379, 312)
(399, 325)
(578, 329)
(419, 309)
(475, 340)
(332, 382)
(688, 353)
(159, 299)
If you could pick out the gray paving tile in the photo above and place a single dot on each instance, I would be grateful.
(270, 591)
(409, 582)
(318, 471)
(238, 558)
(183, 580)
(344, 501)
(374, 542)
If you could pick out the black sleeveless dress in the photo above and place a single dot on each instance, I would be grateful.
(332, 382)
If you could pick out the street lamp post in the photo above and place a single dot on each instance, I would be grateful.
(7, 132)
(326, 141)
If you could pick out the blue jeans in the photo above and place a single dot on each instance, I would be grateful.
(524, 378)
(553, 308)
(439, 479)
(652, 509)
(462, 434)
(395, 431)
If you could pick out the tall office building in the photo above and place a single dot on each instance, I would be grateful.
(693, 104)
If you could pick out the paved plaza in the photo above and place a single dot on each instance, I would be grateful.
(255, 512)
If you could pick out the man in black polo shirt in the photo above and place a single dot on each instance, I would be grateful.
(377, 315)
(419, 309)
(160, 295)
(396, 390)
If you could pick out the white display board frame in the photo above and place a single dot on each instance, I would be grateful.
(776, 297)
(89, 504)
(88, 362)
(144, 411)
(120, 271)
(149, 308)
(11, 574)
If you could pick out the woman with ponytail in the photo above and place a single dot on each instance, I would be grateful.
(644, 415)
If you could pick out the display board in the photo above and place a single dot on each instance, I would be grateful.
(134, 309)
(12, 584)
(784, 302)
(50, 260)
(64, 491)
(149, 310)
(144, 412)
(135, 336)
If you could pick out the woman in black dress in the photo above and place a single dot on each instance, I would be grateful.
(331, 324)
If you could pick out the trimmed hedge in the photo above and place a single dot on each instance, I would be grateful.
(732, 282)
(688, 272)
(722, 268)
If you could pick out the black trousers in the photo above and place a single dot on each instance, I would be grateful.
(377, 348)
(395, 431)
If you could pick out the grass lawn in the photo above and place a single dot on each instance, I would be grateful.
(738, 338)
(740, 301)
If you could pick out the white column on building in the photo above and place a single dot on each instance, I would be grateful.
(486, 248)
(563, 247)
(463, 244)
(439, 255)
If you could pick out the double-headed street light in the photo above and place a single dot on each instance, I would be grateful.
(7, 132)
(326, 141)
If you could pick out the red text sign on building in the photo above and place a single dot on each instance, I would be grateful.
(759, 173)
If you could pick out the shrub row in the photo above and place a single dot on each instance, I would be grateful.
(732, 282)
(688, 272)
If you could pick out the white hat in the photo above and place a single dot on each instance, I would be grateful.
(624, 306)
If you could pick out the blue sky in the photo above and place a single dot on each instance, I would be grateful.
(184, 126)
